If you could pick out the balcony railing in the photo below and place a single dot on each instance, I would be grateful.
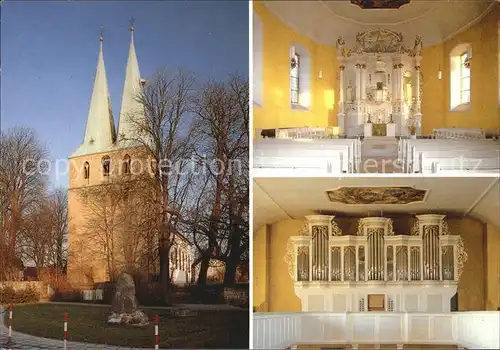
(477, 330)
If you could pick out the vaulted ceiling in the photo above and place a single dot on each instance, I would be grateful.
(276, 199)
(324, 21)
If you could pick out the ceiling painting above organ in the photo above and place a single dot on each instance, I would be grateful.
(377, 195)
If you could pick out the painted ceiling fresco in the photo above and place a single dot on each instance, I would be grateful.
(376, 195)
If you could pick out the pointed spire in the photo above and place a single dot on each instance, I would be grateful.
(100, 129)
(130, 108)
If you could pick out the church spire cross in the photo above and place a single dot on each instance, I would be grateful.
(101, 38)
(132, 22)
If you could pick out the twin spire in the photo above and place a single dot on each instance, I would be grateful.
(100, 135)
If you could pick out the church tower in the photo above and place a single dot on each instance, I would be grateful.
(103, 158)
(99, 159)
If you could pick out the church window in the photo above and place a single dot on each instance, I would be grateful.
(464, 78)
(294, 79)
(300, 77)
(86, 170)
(126, 164)
(460, 77)
(106, 164)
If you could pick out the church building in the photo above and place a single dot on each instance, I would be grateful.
(96, 240)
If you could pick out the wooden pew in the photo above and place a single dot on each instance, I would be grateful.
(479, 162)
(408, 150)
(332, 159)
(348, 147)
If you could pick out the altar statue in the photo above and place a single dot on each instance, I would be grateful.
(418, 46)
(349, 94)
(340, 46)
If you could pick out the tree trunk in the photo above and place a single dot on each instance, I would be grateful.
(204, 264)
(232, 260)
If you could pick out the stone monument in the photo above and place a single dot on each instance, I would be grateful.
(124, 307)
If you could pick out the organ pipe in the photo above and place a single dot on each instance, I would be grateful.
(376, 253)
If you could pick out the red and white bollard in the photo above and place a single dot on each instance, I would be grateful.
(157, 337)
(9, 339)
(65, 329)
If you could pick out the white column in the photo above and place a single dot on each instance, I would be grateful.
(363, 81)
(358, 82)
(417, 84)
(341, 85)
(341, 120)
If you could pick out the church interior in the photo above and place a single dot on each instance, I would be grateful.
(410, 86)
(397, 262)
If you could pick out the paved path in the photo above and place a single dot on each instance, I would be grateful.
(29, 342)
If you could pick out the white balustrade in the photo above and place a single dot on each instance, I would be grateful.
(478, 330)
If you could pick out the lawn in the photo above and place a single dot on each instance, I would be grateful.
(87, 323)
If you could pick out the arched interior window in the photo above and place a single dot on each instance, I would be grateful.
(126, 164)
(300, 77)
(460, 77)
(106, 164)
(86, 170)
(465, 78)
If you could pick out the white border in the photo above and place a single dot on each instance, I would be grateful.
(250, 178)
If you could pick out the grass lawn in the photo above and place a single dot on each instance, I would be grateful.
(87, 323)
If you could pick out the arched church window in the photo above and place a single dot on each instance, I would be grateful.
(106, 164)
(86, 170)
(300, 77)
(460, 77)
(294, 78)
(465, 78)
(126, 164)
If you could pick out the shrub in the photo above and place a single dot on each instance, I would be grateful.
(8, 295)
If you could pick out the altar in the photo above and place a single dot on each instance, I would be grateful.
(379, 85)
(379, 129)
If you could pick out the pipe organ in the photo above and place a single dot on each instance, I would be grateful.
(414, 272)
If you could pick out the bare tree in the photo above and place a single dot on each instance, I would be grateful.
(221, 232)
(164, 131)
(105, 218)
(58, 202)
(23, 162)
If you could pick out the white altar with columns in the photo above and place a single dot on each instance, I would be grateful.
(379, 85)
(376, 269)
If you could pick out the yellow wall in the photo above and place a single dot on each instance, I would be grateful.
(483, 112)
(478, 284)
(492, 268)
(275, 111)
